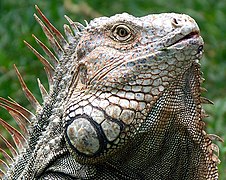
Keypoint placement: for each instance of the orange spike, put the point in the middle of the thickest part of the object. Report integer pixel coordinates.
(42, 89)
(4, 165)
(18, 107)
(18, 138)
(50, 78)
(27, 92)
(49, 53)
(6, 156)
(10, 147)
(24, 120)
(58, 35)
(19, 120)
(2, 174)
(47, 66)
(53, 42)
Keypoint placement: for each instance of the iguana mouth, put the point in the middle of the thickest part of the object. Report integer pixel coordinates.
(191, 35)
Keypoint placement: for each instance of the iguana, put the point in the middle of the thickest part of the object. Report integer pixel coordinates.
(124, 102)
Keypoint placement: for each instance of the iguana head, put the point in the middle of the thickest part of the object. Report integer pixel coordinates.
(123, 64)
(124, 98)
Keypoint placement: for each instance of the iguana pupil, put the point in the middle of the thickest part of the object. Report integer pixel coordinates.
(122, 31)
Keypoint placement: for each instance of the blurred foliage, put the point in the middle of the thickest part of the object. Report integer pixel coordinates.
(17, 23)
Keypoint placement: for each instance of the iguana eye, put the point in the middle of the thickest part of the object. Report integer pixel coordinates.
(121, 32)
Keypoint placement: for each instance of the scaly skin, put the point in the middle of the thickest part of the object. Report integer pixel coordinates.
(124, 104)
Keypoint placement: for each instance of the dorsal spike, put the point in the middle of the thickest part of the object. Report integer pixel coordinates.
(6, 156)
(68, 33)
(203, 114)
(43, 91)
(49, 53)
(26, 113)
(215, 148)
(215, 137)
(53, 42)
(20, 119)
(202, 80)
(206, 101)
(80, 26)
(2, 173)
(27, 92)
(50, 78)
(73, 26)
(9, 146)
(47, 66)
(86, 22)
(18, 138)
(57, 34)
(215, 159)
(202, 89)
(4, 165)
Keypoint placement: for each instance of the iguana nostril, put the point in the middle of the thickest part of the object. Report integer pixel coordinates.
(200, 48)
(175, 21)
(180, 21)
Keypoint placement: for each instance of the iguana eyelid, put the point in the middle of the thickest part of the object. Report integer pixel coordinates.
(122, 33)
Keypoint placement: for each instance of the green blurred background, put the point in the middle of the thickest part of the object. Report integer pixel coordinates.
(17, 24)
